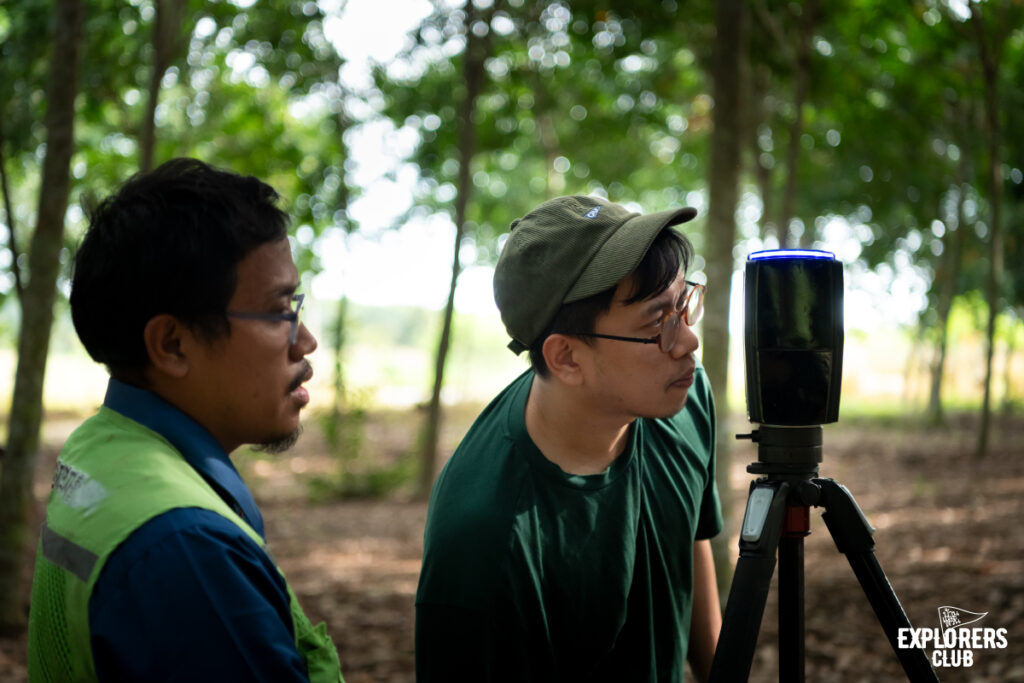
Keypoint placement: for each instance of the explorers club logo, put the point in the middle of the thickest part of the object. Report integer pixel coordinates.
(954, 642)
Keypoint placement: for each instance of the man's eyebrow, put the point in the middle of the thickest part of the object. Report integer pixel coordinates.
(665, 299)
(286, 289)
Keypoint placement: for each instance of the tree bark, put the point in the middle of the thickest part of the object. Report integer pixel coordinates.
(166, 38)
(727, 71)
(473, 69)
(37, 312)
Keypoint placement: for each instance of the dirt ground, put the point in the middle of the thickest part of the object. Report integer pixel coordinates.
(947, 533)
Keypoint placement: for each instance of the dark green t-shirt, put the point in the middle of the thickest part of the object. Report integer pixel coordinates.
(532, 574)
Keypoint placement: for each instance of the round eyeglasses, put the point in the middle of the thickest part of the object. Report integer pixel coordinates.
(292, 317)
(668, 327)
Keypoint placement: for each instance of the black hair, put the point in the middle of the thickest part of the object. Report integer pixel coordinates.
(670, 252)
(167, 241)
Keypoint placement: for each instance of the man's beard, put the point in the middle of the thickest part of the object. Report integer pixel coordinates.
(279, 445)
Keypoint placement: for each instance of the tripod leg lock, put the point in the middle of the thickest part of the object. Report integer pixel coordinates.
(846, 522)
(763, 519)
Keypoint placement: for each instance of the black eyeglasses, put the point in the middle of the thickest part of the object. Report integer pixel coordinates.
(668, 326)
(292, 317)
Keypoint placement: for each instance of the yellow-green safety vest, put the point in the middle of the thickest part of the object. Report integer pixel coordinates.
(113, 475)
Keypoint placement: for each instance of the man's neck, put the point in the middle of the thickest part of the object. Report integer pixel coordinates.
(570, 433)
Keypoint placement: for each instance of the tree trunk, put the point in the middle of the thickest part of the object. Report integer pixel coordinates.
(475, 55)
(990, 69)
(727, 72)
(166, 38)
(548, 139)
(802, 75)
(338, 336)
(37, 313)
(759, 85)
(341, 427)
(947, 275)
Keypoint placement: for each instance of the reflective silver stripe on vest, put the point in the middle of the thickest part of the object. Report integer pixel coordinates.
(67, 554)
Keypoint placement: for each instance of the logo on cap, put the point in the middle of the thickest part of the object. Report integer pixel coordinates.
(593, 212)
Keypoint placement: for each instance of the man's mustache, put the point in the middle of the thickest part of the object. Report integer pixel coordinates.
(304, 375)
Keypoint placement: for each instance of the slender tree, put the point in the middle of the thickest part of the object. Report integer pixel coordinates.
(476, 53)
(37, 311)
(800, 59)
(946, 278)
(727, 73)
(990, 49)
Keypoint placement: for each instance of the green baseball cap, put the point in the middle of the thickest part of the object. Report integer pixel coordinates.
(567, 249)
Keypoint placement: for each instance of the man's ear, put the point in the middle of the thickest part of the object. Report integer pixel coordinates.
(164, 337)
(560, 353)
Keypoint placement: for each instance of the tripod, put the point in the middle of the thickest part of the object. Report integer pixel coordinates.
(778, 518)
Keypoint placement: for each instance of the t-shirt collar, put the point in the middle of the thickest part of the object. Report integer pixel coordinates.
(517, 432)
(197, 445)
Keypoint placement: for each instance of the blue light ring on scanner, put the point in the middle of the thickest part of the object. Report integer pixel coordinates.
(791, 254)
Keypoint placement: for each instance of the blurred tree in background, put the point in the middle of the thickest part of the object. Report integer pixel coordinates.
(891, 128)
(36, 297)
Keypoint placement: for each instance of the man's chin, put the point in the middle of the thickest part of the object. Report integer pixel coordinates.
(667, 412)
(279, 445)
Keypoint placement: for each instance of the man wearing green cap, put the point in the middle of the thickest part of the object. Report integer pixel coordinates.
(567, 537)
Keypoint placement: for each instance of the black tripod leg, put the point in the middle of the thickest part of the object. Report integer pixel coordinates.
(791, 595)
(762, 526)
(852, 535)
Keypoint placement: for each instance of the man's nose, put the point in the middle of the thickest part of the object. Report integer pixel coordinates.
(305, 343)
(686, 341)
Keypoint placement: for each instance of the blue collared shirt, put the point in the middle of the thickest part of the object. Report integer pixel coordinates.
(189, 596)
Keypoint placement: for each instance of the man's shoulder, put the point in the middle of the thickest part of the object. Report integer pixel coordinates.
(473, 484)
(495, 417)
(182, 537)
(129, 461)
(188, 576)
(472, 507)
(483, 455)
(109, 430)
(116, 479)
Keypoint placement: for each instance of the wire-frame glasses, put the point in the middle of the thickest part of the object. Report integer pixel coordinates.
(668, 327)
(292, 317)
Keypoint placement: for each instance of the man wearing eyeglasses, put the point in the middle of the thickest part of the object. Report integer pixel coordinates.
(567, 537)
(152, 563)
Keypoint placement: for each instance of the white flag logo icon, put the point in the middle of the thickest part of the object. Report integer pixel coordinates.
(954, 617)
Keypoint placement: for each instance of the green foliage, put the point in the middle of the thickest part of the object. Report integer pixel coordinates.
(579, 97)
(893, 127)
(255, 90)
(577, 100)
(356, 472)
(378, 482)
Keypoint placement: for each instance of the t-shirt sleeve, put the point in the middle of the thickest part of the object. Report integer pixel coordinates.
(189, 596)
(710, 522)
